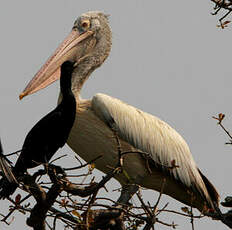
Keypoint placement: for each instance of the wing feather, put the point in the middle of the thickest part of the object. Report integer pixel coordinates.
(152, 135)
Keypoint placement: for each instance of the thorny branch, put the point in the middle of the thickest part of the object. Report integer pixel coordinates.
(226, 7)
(220, 118)
(226, 218)
(55, 201)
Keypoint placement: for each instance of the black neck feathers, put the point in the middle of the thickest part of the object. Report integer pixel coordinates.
(66, 77)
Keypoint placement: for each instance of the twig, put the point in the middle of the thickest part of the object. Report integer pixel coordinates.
(83, 165)
(173, 225)
(58, 158)
(160, 194)
(10, 154)
(225, 5)
(220, 119)
(192, 219)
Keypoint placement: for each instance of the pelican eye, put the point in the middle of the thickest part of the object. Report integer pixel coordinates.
(85, 24)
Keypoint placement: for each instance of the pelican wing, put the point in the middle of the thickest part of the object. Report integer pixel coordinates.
(150, 134)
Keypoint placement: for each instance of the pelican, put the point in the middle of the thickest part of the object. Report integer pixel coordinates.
(97, 120)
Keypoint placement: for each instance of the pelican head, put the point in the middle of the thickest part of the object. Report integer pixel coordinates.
(88, 44)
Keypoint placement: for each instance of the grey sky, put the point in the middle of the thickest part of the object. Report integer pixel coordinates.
(168, 59)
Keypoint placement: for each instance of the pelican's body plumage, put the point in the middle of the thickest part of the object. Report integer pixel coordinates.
(97, 120)
(138, 131)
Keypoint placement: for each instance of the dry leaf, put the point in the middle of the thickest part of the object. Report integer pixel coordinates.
(91, 167)
(63, 202)
(220, 117)
(17, 199)
(77, 214)
(173, 165)
(223, 24)
(186, 210)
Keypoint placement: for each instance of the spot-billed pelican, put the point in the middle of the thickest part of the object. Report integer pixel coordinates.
(89, 44)
(48, 135)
